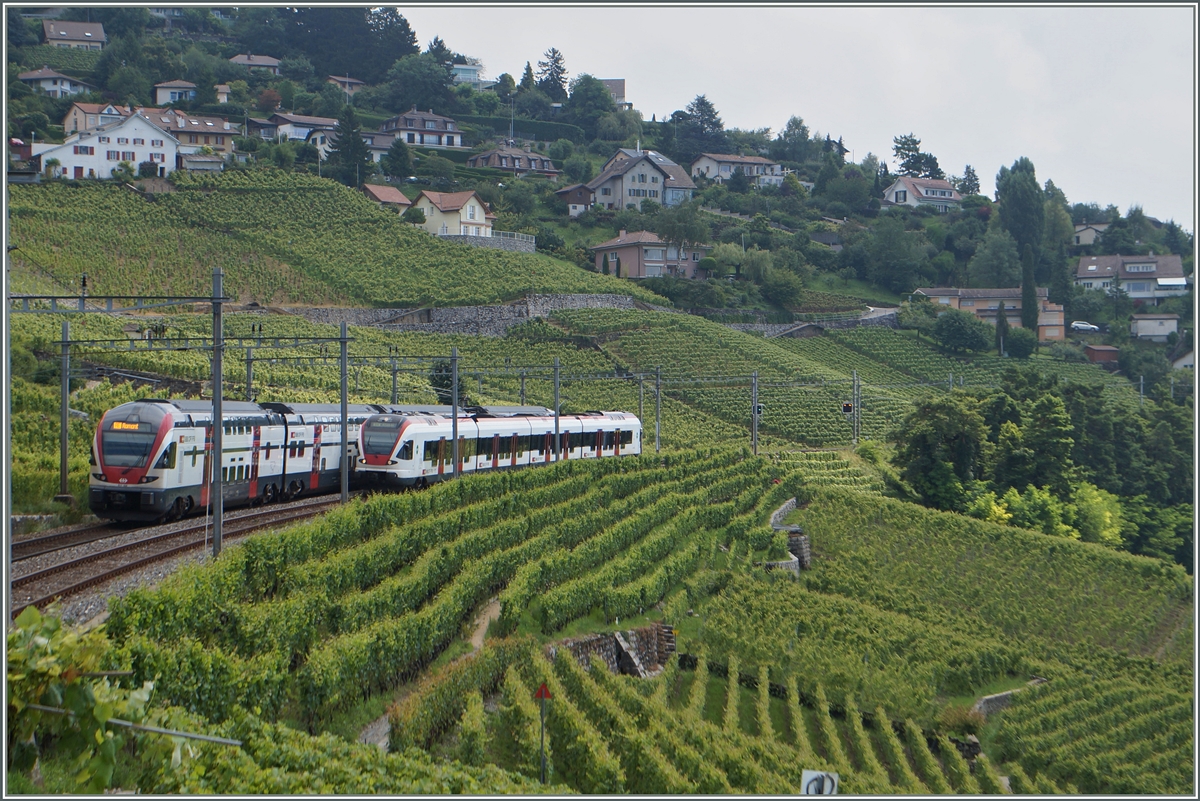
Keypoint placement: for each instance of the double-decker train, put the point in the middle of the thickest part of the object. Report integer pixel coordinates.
(152, 459)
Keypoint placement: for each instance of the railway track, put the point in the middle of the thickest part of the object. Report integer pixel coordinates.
(70, 577)
(36, 546)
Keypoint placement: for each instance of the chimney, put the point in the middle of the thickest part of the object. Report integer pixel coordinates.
(528, 147)
(622, 234)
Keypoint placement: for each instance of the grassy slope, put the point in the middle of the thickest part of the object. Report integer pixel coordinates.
(279, 238)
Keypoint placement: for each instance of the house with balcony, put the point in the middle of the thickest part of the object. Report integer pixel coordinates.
(986, 304)
(455, 213)
(324, 140)
(295, 127)
(616, 90)
(174, 92)
(54, 83)
(1148, 279)
(85, 116)
(518, 162)
(642, 254)
(470, 73)
(720, 168)
(424, 129)
(634, 175)
(194, 132)
(96, 152)
(76, 35)
(907, 190)
(253, 62)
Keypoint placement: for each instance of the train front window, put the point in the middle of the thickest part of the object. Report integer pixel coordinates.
(406, 451)
(379, 435)
(126, 448)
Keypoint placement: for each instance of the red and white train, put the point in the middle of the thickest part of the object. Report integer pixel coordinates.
(152, 459)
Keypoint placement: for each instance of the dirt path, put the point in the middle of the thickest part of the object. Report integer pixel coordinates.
(1179, 617)
(376, 732)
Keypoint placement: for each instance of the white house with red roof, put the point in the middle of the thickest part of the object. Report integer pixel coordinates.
(907, 190)
(96, 152)
(721, 167)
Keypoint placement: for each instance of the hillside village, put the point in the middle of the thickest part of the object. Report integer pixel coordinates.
(909, 354)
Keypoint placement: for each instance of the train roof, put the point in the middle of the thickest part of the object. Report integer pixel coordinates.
(322, 408)
(206, 407)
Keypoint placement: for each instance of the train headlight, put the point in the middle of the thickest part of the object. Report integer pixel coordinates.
(147, 479)
(99, 476)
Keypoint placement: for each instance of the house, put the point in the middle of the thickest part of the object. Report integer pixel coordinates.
(616, 89)
(388, 197)
(634, 175)
(470, 73)
(424, 128)
(909, 191)
(253, 62)
(519, 162)
(194, 132)
(346, 84)
(1099, 354)
(199, 162)
(643, 255)
(174, 92)
(94, 153)
(986, 303)
(455, 213)
(1087, 233)
(78, 35)
(85, 116)
(54, 83)
(324, 140)
(1154, 327)
(1185, 362)
(298, 127)
(223, 92)
(1148, 279)
(577, 197)
(720, 167)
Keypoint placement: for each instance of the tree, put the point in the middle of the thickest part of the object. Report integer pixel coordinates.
(528, 82)
(588, 102)
(939, 448)
(533, 104)
(413, 215)
(1001, 330)
(756, 265)
(552, 75)
(1022, 204)
(419, 81)
(995, 263)
(604, 265)
(1048, 433)
(913, 162)
(1029, 294)
(793, 142)
(505, 87)
(268, 100)
(1098, 515)
(1021, 343)
(442, 54)
(19, 34)
(1014, 461)
(397, 162)
(350, 157)
(961, 331)
(578, 168)
(968, 184)
(680, 226)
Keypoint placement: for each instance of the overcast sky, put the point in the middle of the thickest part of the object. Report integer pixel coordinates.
(1102, 100)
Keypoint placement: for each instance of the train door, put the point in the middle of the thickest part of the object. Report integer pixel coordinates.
(314, 476)
(255, 444)
(441, 456)
(515, 447)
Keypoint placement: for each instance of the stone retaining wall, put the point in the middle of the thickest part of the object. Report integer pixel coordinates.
(494, 242)
(334, 316)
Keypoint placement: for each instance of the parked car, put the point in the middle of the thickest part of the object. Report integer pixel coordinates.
(1082, 325)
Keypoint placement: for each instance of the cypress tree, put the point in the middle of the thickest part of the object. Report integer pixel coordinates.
(1029, 298)
(604, 265)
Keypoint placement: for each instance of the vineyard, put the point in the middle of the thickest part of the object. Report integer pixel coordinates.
(280, 239)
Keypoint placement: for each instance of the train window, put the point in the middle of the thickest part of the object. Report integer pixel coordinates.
(626, 437)
(609, 439)
(429, 451)
(466, 448)
(542, 439)
(505, 446)
(484, 446)
(406, 451)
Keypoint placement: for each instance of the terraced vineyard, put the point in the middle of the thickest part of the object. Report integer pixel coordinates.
(279, 237)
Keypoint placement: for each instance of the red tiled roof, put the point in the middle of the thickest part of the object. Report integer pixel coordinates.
(453, 201)
(386, 194)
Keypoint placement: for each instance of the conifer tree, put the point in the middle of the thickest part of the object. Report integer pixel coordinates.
(1029, 297)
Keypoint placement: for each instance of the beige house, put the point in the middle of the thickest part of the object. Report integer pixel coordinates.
(174, 92)
(577, 197)
(85, 116)
(1146, 278)
(424, 128)
(223, 92)
(388, 197)
(642, 254)
(1154, 327)
(455, 213)
(253, 62)
(1088, 233)
(634, 175)
(986, 304)
(346, 84)
(520, 162)
(909, 191)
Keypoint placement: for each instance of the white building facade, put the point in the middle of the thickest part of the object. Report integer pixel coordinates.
(97, 152)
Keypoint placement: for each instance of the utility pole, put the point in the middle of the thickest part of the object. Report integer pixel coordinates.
(657, 407)
(522, 387)
(454, 409)
(856, 398)
(951, 381)
(394, 395)
(64, 496)
(249, 375)
(754, 412)
(557, 415)
(1141, 390)
(218, 421)
(641, 398)
(345, 418)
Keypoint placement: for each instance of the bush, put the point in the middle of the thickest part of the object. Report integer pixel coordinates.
(961, 720)
(435, 167)
(1020, 343)
(1067, 353)
(959, 331)
(562, 149)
